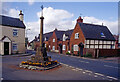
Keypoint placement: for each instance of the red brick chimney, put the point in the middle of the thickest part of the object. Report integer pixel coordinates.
(80, 20)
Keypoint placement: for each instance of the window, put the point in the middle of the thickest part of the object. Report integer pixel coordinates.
(91, 46)
(75, 47)
(53, 40)
(108, 46)
(15, 32)
(64, 37)
(102, 35)
(96, 46)
(100, 42)
(104, 46)
(45, 45)
(96, 41)
(113, 42)
(45, 38)
(64, 47)
(91, 41)
(76, 35)
(15, 47)
(87, 46)
(53, 48)
(104, 42)
(108, 42)
(100, 46)
(87, 41)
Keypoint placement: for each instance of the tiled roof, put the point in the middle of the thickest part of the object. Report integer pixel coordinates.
(13, 22)
(92, 31)
(59, 34)
(46, 35)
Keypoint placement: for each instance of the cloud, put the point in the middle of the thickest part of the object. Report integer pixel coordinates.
(112, 25)
(12, 13)
(54, 18)
(30, 2)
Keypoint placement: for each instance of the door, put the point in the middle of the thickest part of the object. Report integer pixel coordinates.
(60, 46)
(6, 48)
(81, 51)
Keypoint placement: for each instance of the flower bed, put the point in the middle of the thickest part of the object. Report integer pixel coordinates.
(45, 64)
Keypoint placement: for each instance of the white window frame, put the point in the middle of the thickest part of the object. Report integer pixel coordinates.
(53, 39)
(64, 47)
(91, 46)
(76, 35)
(14, 46)
(75, 47)
(91, 41)
(87, 46)
(15, 31)
(53, 47)
(96, 46)
(45, 39)
(96, 41)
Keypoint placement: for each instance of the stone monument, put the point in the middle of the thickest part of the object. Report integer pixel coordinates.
(40, 60)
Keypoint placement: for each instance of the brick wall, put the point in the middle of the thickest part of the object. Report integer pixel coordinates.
(74, 41)
(109, 52)
(53, 43)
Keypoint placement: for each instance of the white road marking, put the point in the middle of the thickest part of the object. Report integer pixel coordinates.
(99, 74)
(95, 76)
(112, 77)
(83, 61)
(74, 69)
(111, 66)
(88, 71)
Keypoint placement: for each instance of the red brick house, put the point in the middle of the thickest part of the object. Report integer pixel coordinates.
(55, 40)
(90, 36)
(83, 38)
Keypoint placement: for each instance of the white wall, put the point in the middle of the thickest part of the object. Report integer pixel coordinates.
(0, 32)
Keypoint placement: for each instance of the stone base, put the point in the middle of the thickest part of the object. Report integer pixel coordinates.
(30, 67)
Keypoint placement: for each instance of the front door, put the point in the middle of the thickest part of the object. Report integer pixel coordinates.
(6, 48)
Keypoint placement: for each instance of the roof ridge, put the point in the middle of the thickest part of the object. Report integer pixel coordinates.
(94, 24)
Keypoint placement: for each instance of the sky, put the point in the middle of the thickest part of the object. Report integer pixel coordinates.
(63, 15)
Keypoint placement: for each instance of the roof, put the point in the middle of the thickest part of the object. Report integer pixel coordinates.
(46, 35)
(13, 22)
(59, 34)
(92, 31)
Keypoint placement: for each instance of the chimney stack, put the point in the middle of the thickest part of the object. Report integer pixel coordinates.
(21, 16)
(80, 20)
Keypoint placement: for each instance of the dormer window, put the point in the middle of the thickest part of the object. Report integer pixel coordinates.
(76, 35)
(45, 38)
(102, 35)
(64, 37)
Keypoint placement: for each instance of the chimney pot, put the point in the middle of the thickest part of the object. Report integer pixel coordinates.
(21, 15)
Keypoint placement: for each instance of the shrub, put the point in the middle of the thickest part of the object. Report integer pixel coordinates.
(87, 55)
(67, 53)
